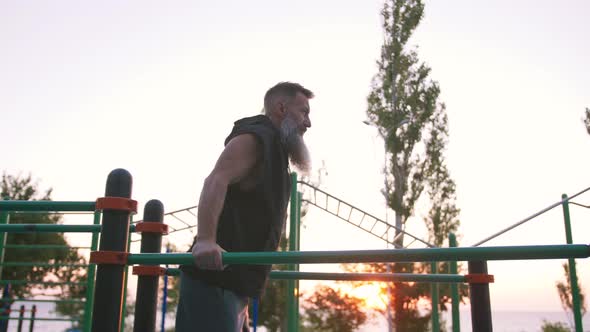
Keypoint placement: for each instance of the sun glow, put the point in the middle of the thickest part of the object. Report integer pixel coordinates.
(374, 295)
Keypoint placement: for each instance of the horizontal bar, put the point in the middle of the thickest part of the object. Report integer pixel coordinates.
(47, 300)
(49, 228)
(374, 256)
(401, 277)
(45, 319)
(10, 206)
(42, 264)
(50, 283)
(52, 228)
(41, 246)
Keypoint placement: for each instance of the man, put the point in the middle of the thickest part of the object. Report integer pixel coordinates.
(243, 208)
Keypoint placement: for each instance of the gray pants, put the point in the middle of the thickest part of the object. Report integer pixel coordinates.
(206, 308)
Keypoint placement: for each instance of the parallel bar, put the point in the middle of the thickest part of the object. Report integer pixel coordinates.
(45, 319)
(49, 283)
(49, 228)
(42, 246)
(11, 206)
(40, 264)
(374, 256)
(52, 228)
(47, 300)
(384, 277)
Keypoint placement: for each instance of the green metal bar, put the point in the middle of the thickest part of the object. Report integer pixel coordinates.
(4, 219)
(577, 308)
(42, 264)
(45, 319)
(52, 228)
(454, 289)
(375, 256)
(434, 299)
(42, 246)
(383, 277)
(91, 275)
(48, 301)
(125, 279)
(49, 228)
(49, 283)
(298, 248)
(292, 323)
(46, 206)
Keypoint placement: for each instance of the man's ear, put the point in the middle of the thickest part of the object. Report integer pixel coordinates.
(282, 107)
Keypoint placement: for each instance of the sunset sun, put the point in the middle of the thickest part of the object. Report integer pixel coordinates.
(373, 295)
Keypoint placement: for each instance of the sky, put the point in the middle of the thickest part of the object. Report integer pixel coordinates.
(154, 87)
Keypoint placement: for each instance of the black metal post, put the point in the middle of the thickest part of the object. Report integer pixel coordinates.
(479, 296)
(21, 315)
(33, 312)
(108, 293)
(147, 285)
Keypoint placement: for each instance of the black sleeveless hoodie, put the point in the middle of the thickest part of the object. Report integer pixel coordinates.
(252, 220)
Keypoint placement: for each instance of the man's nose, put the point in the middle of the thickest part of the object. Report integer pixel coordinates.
(307, 123)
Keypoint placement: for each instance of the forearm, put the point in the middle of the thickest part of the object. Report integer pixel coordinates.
(210, 206)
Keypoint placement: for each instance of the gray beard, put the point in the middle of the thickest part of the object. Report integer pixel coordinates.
(295, 146)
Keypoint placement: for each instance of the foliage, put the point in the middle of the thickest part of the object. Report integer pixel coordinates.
(23, 188)
(586, 120)
(564, 289)
(403, 104)
(331, 310)
(554, 327)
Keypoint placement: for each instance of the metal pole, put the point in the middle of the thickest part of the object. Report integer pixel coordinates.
(108, 293)
(33, 312)
(5, 304)
(479, 296)
(4, 220)
(572, 268)
(434, 299)
(21, 315)
(298, 248)
(292, 323)
(125, 280)
(146, 306)
(454, 289)
(91, 275)
(165, 297)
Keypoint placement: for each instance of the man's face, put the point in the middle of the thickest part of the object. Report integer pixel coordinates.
(293, 127)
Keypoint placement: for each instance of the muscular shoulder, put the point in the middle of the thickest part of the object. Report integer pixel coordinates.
(239, 159)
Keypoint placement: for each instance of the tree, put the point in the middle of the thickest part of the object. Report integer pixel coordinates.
(403, 105)
(331, 310)
(587, 120)
(554, 327)
(23, 188)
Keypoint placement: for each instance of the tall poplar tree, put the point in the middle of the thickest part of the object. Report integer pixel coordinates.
(403, 104)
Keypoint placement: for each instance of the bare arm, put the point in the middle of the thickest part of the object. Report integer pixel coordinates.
(236, 163)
